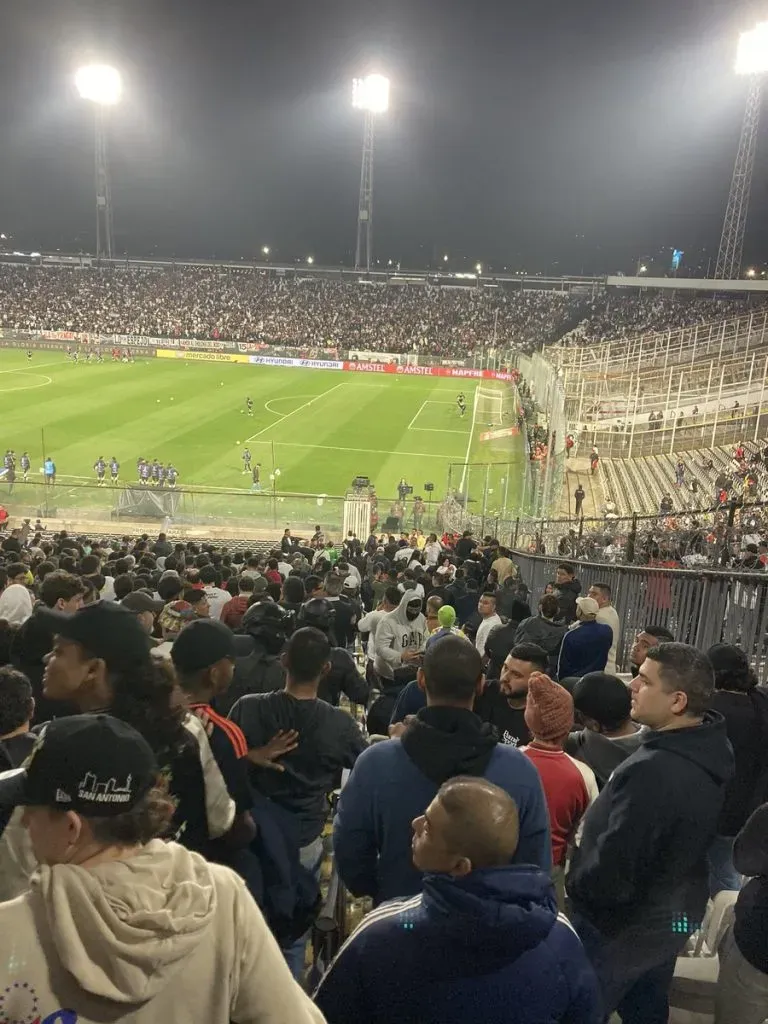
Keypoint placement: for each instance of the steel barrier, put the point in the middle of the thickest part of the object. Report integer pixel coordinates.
(699, 608)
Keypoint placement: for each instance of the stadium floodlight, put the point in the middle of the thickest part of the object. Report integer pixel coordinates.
(751, 60)
(751, 272)
(752, 51)
(479, 268)
(101, 85)
(445, 258)
(265, 250)
(371, 95)
(643, 269)
(310, 260)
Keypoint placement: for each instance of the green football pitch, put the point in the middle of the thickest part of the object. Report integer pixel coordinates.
(319, 428)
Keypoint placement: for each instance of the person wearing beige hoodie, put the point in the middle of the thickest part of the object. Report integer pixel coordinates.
(117, 924)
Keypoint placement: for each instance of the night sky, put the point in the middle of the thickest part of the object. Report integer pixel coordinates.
(555, 136)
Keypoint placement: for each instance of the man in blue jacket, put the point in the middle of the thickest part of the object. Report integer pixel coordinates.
(482, 942)
(639, 879)
(586, 645)
(393, 782)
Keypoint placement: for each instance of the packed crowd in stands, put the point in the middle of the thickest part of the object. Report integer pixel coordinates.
(538, 832)
(302, 311)
(260, 307)
(618, 315)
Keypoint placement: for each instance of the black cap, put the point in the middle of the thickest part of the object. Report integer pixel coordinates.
(204, 642)
(105, 630)
(141, 601)
(603, 697)
(95, 765)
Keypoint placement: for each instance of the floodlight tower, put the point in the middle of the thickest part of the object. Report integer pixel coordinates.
(102, 86)
(752, 60)
(371, 95)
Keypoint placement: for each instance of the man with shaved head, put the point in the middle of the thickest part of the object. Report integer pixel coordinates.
(483, 939)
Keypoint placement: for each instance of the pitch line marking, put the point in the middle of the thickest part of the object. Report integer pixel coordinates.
(433, 430)
(28, 387)
(471, 435)
(284, 398)
(365, 451)
(287, 415)
(418, 413)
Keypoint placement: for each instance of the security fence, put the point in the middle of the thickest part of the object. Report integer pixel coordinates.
(699, 608)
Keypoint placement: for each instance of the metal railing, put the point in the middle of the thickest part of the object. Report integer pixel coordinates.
(699, 608)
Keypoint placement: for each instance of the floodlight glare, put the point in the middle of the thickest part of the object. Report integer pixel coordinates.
(752, 53)
(100, 84)
(371, 94)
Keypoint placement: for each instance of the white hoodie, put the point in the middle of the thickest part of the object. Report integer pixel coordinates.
(160, 937)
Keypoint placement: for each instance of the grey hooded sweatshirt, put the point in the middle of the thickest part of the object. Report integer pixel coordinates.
(396, 633)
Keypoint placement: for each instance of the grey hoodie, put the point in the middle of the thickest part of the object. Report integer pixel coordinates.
(395, 633)
(160, 936)
(602, 753)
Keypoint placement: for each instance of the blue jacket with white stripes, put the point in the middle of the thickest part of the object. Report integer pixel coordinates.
(488, 947)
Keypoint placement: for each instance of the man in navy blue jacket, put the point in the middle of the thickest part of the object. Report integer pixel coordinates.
(394, 781)
(586, 645)
(483, 942)
(639, 880)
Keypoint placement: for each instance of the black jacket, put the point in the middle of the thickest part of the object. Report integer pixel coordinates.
(343, 677)
(642, 857)
(750, 857)
(566, 598)
(257, 672)
(31, 643)
(329, 740)
(746, 722)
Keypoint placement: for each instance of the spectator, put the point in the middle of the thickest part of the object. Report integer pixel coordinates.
(502, 703)
(393, 782)
(569, 785)
(210, 577)
(603, 704)
(579, 495)
(742, 989)
(501, 639)
(144, 608)
(641, 864)
(15, 602)
(744, 706)
(60, 591)
(17, 706)
(342, 675)
(233, 611)
(567, 589)
(345, 613)
(648, 637)
(400, 638)
(101, 660)
(204, 659)
(483, 931)
(586, 645)
(259, 670)
(104, 876)
(542, 629)
(486, 606)
(299, 744)
(607, 614)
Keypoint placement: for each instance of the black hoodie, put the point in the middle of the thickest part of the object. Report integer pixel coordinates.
(750, 857)
(566, 594)
(642, 857)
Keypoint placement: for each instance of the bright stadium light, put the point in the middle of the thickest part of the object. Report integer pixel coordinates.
(751, 60)
(371, 95)
(479, 268)
(445, 259)
(310, 260)
(752, 51)
(751, 272)
(265, 250)
(100, 84)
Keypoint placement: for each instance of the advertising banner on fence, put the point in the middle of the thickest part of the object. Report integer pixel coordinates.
(494, 435)
(429, 371)
(312, 364)
(215, 357)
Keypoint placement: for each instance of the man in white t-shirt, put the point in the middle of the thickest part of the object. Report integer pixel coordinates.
(601, 593)
(487, 608)
(217, 597)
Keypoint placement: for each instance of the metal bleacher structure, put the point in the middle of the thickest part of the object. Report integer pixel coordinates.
(705, 387)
